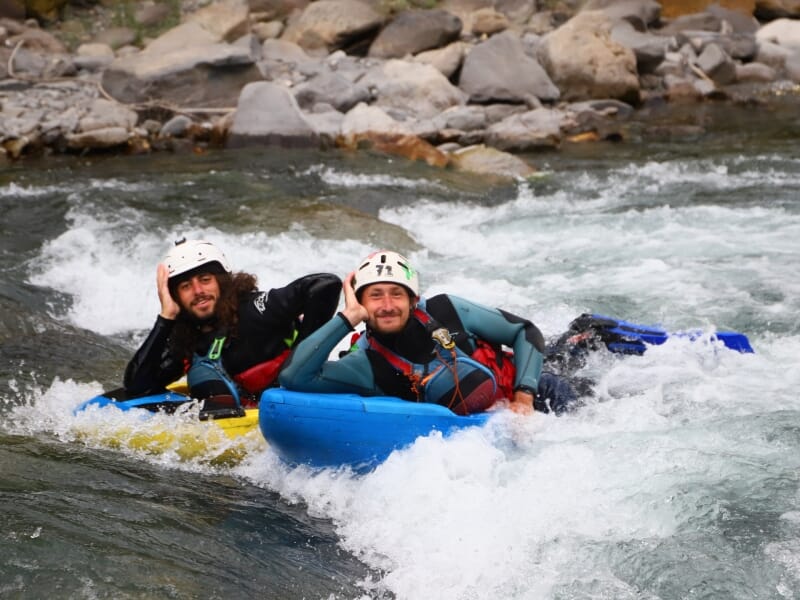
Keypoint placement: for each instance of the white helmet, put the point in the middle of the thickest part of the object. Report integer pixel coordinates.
(385, 266)
(188, 255)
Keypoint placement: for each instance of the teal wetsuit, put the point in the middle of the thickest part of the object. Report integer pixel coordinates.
(364, 371)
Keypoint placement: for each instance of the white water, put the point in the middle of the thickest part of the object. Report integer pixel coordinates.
(660, 483)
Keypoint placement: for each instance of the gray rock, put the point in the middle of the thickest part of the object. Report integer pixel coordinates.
(499, 70)
(98, 139)
(116, 37)
(741, 46)
(37, 40)
(284, 52)
(411, 88)
(465, 9)
(488, 21)
(268, 31)
(177, 126)
(199, 76)
(179, 38)
(738, 20)
(104, 114)
(715, 63)
(649, 49)
(225, 19)
(93, 57)
(604, 108)
(150, 127)
(446, 60)
(276, 9)
(327, 25)
(252, 44)
(497, 112)
(703, 21)
(415, 31)
(772, 55)
(792, 67)
(362, 119)
(16, 127)
(535, 129)
(641, 14)
(491, 162)
(267, 114)
(331, 88)
(784, 32)
(327, 124)
(462, 118)
(518, 12)
(755, 73)
(679, 88)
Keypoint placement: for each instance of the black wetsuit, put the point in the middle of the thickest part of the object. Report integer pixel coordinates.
(266, 321)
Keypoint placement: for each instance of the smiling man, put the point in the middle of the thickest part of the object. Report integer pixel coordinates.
(445, 350)
(215, 326)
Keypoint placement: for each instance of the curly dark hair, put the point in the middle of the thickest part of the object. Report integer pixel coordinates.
(233, 289)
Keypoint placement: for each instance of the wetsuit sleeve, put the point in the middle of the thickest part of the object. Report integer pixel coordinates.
(500, 327)
(309, 370)
(315, 297)
(152, 368)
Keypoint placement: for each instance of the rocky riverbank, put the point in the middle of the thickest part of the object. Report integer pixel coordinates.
(469, 84)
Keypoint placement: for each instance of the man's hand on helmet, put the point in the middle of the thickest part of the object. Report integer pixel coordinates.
(353, 311)
(169, 308)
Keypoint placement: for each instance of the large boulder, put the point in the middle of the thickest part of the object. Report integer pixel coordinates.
(267, 114)
(499, 70)
(584, 62)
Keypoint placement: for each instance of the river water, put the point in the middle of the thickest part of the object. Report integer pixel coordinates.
(679, 479)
